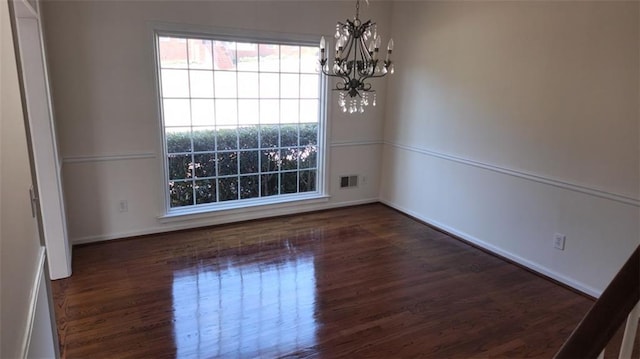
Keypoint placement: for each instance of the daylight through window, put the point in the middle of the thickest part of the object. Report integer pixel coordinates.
(241, 120)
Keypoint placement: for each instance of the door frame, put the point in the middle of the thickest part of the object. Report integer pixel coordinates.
(41, 135)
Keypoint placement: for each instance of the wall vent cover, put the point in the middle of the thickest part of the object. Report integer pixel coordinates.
(348, 181)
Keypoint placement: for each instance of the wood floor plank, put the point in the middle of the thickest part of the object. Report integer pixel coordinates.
(364, 281)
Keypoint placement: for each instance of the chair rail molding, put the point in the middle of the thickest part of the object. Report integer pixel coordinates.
(103, 158)
(356, 143)
(522, 174)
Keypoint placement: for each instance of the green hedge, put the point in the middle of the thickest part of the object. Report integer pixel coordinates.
(282, 150)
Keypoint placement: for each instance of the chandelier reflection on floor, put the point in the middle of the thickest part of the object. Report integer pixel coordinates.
(356, 61)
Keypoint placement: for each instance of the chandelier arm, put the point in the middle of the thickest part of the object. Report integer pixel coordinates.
(376, 76)
(366, 60)
(344, 78)
(349, 49)
(366, 87)
(340, 85)
(373, 75)
(340, 88)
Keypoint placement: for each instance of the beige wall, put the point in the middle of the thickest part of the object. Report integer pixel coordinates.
(510, 121)
(102, 76)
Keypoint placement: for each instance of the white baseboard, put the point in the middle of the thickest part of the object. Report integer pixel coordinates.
(175, 226)
(33, 303)
(577, 285)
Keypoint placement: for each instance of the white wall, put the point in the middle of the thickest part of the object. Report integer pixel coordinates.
(509, 121)
(21, 256)
(102, 77)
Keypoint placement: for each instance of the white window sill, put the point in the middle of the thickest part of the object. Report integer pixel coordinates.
(244, 207)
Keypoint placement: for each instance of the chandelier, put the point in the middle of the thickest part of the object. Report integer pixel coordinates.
(355, 62)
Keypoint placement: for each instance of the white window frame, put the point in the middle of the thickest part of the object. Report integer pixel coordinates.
(236, 35)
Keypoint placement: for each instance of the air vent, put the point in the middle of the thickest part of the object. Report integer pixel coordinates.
(348, 181)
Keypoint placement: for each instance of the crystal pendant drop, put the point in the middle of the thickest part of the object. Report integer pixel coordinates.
(341, 101)
(353, 106)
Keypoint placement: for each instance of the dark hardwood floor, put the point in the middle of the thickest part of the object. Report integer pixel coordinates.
(363, 281)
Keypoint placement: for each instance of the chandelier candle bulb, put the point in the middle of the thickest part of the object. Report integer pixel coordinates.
(322, 49)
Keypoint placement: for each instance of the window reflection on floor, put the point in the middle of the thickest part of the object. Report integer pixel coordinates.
(240, 310)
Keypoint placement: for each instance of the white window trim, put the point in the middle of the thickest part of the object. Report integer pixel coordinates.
(243, 35)
(194, 213)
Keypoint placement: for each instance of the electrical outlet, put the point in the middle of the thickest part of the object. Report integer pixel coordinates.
(123, 206)
(558, 241)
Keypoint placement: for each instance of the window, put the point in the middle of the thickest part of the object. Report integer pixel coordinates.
(241, 120)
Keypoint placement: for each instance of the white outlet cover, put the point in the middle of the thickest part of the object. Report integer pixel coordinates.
(558, 241)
